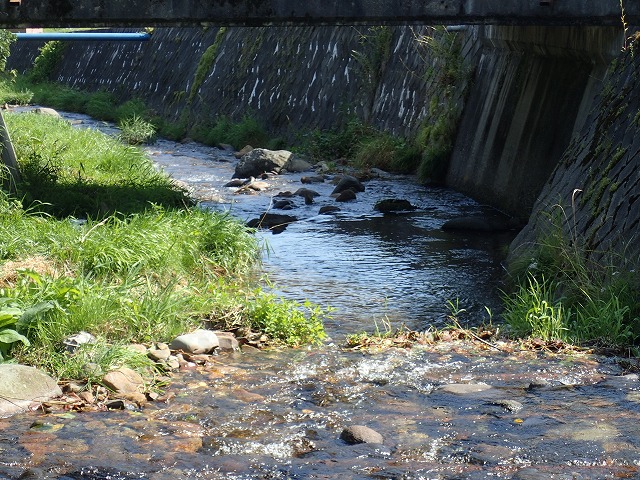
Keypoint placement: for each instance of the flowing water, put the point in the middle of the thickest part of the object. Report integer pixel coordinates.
(279, 415)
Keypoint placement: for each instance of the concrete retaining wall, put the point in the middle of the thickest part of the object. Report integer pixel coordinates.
(593, 196)
(532, 91)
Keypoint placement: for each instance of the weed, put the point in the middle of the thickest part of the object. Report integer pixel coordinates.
(287, 321)
(135, 131)
(247, 131)
(47, 61)
(564, 293)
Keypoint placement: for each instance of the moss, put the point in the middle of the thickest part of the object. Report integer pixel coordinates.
(206, 63)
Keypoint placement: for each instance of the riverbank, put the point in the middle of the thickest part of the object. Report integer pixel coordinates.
(97, 240)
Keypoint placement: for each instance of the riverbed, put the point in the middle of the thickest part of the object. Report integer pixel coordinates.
(454, 410)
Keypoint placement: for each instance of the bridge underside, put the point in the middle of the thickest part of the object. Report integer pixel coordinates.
(148, 13)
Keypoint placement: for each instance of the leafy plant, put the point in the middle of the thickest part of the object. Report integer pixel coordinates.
(564, 291)
(9, 317)
(47, 61)
(285, 320)
(6, 40)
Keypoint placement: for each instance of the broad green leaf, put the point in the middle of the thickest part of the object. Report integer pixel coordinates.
(11, 336)
(30, 314)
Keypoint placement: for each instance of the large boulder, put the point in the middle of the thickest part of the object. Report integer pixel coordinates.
(21, 386)
(347, 182)
(261, 160)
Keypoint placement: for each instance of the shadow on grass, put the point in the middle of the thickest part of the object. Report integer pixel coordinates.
(97, 201)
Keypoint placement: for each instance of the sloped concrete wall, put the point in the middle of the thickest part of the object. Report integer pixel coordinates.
(292, 78)
(593, 196)
(532, 90)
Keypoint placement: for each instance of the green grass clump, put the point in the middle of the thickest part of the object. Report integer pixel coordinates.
(363, 146)
(135, 131)
(147, 268)
(565, 292)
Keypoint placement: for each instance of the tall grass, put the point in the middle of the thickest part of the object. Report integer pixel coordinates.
(566, 291)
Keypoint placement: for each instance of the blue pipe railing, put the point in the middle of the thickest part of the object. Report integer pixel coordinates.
(86, 36)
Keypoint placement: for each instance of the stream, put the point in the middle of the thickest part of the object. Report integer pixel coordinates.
(454, 410)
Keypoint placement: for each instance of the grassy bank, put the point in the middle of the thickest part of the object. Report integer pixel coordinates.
(97, 240)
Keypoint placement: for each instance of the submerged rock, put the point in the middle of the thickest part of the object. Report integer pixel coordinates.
(465, 388)
(272, 221)
(21, 386)
(355, 434)
(328, 209)
(346, 196)
(390, 205)
(313, 179)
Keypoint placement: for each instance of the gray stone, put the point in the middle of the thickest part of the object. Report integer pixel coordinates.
(200, 341)
(283, 205)
(123, 381)
(360, 434)
(272, 221)
(297, 165)
(72, 342)
(227, 342)
(261, 160)
(21, 386)
(465, 388)
(158, 354)
(346, 196)
(243, 151)
(313, 179)
(327, 209)
(512, 406)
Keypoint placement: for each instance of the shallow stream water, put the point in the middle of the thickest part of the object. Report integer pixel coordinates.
(279, 415)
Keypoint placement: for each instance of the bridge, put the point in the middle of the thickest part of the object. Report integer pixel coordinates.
(149, 13)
